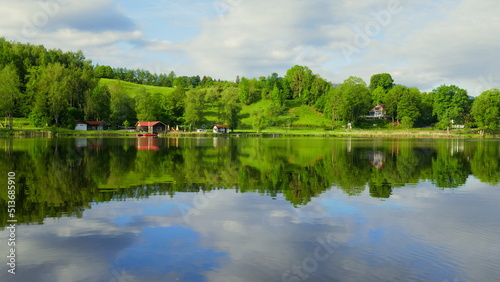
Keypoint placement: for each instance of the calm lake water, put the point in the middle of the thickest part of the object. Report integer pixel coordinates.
(252, 209)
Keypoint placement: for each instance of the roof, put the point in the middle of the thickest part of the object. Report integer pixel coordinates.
(222, 126)
(148, 123)
(91, 122)
(94, 122)
(381, 106)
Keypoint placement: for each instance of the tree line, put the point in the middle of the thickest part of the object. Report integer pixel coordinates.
(55, 88)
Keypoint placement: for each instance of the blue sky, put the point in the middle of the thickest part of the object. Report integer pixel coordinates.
(423, 43)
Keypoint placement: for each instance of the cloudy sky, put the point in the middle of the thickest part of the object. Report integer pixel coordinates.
(423, 43)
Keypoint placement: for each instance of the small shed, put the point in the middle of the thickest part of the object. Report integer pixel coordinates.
(90, 125)
(221, 128)
(153, 127)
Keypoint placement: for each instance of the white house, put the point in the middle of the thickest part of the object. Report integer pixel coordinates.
(221, 128)
(90, 125)
(80, 125)
(377, 112)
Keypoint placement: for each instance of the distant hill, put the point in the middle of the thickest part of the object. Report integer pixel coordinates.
(133, 89)
(304, 116)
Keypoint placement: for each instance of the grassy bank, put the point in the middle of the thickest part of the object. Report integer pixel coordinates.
(21, 128)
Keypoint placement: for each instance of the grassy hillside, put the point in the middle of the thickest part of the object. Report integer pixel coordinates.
(133, 89)
(304, 116)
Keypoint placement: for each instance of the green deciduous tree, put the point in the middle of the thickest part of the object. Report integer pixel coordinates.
(383, 80)
(122, 106)
(9, 92)
(319, 88)
(104, 72)
(259, 120)
(278, 97)
(52, 92)
(349, 102)
(194, 106)
(173, 106)
(98, 102)
(426, 108)
(486, 110)
(230, 107)
(392, 99)
(148, 106)
(250, 90)
(408, 111)
(451, 103)
(299, 79)
(378, 95)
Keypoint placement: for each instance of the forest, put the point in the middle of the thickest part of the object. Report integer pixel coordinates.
(53, 88)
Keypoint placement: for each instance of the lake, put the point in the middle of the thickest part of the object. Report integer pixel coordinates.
(251, 209)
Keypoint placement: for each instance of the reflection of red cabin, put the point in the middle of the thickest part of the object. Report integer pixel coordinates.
(147, 144)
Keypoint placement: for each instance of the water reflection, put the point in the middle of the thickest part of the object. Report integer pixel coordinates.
(61, 177)
(305, 209)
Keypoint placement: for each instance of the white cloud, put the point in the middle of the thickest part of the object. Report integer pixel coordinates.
(421, 43)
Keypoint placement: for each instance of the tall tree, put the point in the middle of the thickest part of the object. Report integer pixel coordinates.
(259, 120)
(278, 97)
(148, 106)
(194, 105)
(230, 107)
(9, 92)
(426, 108)
(408, 110)
(98, 102)
(122, 106)
(173, 105)
(319, 88)
(299, 80)
(53, 92)
(383, 80)
(451, 104)
(104, 72)
(378, 95)
(392, 100)
(350, 101)
(486, 110)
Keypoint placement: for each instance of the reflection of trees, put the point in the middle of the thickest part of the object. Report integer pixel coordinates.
(485, 164)
(350, 167)
(56, 178)
(450, 168)
(379, 187)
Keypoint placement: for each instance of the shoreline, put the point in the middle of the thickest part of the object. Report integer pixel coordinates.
(415, 133)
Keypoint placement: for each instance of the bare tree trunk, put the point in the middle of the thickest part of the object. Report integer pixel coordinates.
(11, 120)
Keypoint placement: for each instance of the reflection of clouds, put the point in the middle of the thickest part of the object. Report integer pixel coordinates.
(233, 226)
(163, 251)
(420, 233)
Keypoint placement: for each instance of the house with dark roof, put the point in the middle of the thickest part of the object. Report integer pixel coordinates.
(90, 125)
(221, 128)
(153, 127)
